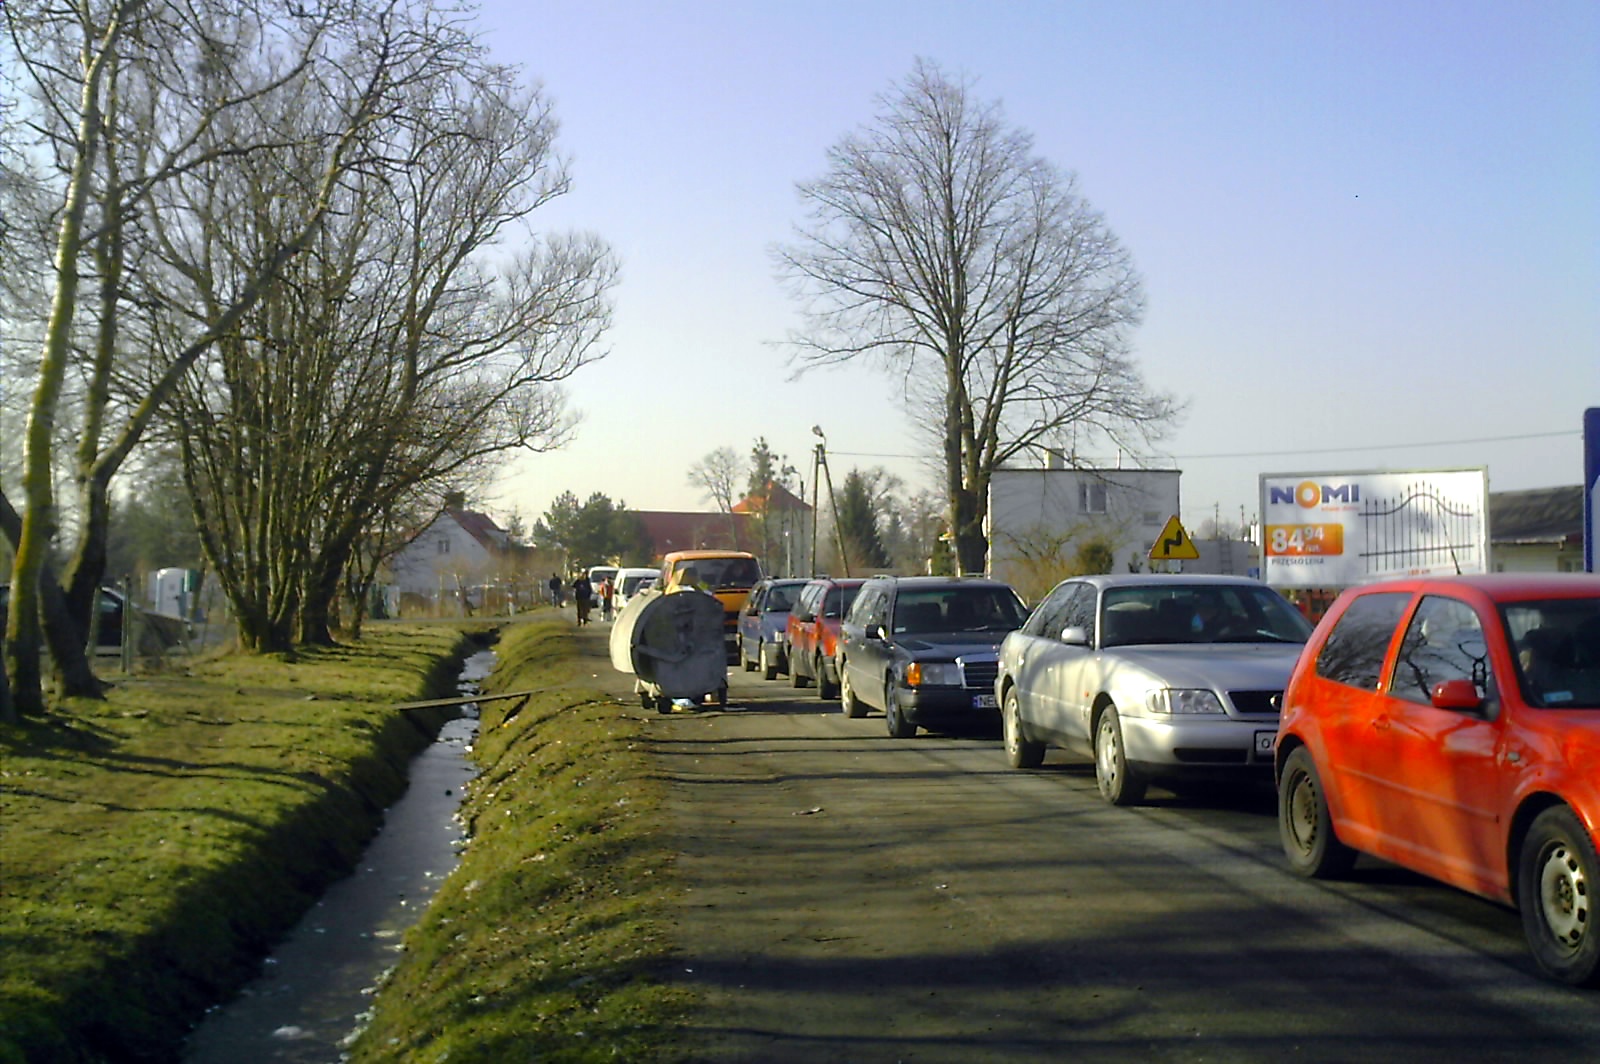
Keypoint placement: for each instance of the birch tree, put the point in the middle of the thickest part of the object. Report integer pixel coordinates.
(125, 100)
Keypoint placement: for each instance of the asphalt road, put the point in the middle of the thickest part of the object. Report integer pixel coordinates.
(851, 897)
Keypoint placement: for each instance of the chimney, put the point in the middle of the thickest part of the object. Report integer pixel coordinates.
(455, 500)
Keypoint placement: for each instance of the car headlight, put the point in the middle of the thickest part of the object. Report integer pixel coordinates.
(1172, 701)
(933, 674)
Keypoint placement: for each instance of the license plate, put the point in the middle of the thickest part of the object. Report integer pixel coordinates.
(1264, 743)
(984, 702)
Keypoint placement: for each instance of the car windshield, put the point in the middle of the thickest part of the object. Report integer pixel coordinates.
(630, 584)
(958, 609)
(720, 573)
(1197, 614)
(1557, 644)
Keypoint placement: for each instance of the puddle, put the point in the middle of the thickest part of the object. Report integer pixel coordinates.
(314, 992)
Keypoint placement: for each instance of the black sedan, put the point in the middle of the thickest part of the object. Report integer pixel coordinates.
(924, 649)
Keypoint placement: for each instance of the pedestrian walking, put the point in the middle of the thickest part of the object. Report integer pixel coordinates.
(555, 590)
(583, 597)
(607, 592)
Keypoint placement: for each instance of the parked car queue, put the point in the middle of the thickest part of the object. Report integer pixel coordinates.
(1450, 726)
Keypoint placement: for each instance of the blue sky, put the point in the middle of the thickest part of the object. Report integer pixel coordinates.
(1369, 232)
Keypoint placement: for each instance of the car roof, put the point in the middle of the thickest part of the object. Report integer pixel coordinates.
(838, 581)
(1498, 587)
(1166, 580)
(943, 581)
(703, 552)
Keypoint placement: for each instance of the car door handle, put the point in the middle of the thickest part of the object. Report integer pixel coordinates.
(1380, 724)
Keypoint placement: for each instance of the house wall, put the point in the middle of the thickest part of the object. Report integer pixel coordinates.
(1535, 558)
(1037, 512)
(441, 553)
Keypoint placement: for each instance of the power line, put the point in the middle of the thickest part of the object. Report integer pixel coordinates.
(1309, 450)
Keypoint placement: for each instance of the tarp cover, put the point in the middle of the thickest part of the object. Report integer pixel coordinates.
(674, 642)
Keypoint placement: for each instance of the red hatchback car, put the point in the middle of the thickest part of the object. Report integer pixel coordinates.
(814, 632)
(1452, 726)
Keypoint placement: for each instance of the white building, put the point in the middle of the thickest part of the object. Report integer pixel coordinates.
(458, 549)
(1040, 519)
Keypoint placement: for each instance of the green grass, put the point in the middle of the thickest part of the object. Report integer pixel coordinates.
(154, 844)
(545, 943)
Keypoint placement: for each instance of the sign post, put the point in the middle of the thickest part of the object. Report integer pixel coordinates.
(1591, 486)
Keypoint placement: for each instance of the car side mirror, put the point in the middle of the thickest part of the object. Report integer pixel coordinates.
(1457, 695)
(1075, 635)
(874, 631)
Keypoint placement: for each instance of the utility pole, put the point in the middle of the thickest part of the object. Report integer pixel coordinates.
(821, 464)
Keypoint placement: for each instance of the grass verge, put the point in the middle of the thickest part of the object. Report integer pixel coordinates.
(546, 942)
(154, 844)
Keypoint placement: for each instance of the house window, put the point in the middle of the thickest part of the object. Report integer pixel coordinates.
(444, 546)
(1091, 497)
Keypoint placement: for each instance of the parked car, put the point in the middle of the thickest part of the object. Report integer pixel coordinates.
(1159, 676)
(764, 626)
(923, 649)
(1452, 726)
(813, 632)
(629, 581)
(727, 574)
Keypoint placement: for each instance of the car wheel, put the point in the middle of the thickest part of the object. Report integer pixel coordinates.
(899, 727)
(1020, 753)
(826, 688)
(795, 679)
(769, 668)
(1557, 880)
(745, 659)
(1118, 783)
(848, 702)
(1304, 825)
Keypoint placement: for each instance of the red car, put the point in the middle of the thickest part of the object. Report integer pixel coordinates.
(813, 633)
(1452, 726)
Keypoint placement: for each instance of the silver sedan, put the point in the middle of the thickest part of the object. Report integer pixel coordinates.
(1160, 677)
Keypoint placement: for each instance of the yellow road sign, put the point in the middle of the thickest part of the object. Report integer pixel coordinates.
(1173, 543)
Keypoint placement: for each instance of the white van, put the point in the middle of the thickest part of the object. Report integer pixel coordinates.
(627, 583)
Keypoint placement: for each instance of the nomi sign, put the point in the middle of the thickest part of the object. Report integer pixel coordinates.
(1342, 529)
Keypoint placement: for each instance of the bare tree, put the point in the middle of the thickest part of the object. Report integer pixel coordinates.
(939, 246)
(127, 99)
(718, 475)
(397, 353)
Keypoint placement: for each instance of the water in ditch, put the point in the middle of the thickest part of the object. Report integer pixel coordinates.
(313, 994)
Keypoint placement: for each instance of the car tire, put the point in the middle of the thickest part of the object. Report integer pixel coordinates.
(1119, 784)
(826, 688)
(849, 704)
(769, 668)
(795, 679)
(1558, 888)
(745, 660)
(899, 727)
(1305, 826)
(1020, 753)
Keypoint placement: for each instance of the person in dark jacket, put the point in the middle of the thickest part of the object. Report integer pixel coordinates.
(583, 597)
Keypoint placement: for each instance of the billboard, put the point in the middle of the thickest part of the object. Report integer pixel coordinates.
(1343, 529)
